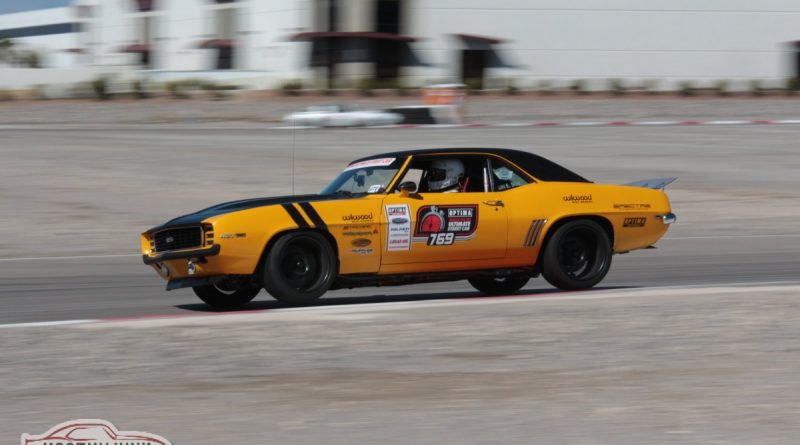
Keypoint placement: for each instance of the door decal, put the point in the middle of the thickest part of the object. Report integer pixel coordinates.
(444, 225)
(398, 220)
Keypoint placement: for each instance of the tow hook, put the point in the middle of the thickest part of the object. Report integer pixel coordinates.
(191, 268)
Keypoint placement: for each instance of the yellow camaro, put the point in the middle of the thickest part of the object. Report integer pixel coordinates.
(494, 217)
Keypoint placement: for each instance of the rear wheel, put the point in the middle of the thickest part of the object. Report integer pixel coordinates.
(499, 285)
(577, 256)
(299, 268)
(226, 294)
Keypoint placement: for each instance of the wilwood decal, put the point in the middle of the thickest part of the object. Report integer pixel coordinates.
(444, 225)
(578, 199)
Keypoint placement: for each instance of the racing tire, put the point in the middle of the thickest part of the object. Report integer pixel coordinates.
(221, 296)
(299, 268)
(577, 256)
(499, 285)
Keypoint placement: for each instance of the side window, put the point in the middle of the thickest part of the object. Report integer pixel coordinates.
(448, 174)
(505, 176)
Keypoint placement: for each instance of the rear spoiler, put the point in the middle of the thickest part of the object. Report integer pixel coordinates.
(655, 184)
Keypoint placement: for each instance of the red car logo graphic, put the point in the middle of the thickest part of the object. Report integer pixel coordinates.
(91, 431)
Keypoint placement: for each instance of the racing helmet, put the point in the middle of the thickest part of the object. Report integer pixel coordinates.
(445, 174)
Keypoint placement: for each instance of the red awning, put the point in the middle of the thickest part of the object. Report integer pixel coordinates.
(217, 43)
(75, 50)
(310, 36)
(135, 48)
(479, 39)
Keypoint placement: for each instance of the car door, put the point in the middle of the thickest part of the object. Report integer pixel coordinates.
(426, 231)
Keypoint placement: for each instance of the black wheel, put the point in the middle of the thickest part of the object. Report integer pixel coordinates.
(226, 294)
(299, 268)
(499, 285)
(577, 256)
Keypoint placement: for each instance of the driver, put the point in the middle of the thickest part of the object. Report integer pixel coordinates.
(445, 175)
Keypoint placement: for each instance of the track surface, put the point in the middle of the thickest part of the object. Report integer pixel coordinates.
(76, 192)
(626, 365)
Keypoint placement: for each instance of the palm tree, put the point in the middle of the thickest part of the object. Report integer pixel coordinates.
(7, 50)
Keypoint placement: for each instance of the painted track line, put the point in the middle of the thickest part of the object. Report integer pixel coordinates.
(74, 257)
(555, 296)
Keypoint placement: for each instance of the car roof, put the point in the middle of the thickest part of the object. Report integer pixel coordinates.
(535, 165)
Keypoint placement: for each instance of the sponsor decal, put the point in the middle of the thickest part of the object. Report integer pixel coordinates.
(359, 233)
(634, 222)
(375, 188)
(362, 251)
(382, 162)
(399, 227)
(90, 432)
(233, 235)
(444, 225)
(364, 217)
(631, 206)
(169, 240)
(360, 242)
(578, 199)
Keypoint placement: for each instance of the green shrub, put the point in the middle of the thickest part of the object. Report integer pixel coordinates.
(545, 87)
(650, 86)
(686, 88)
(756, 88)
(616, 87)
(292, 88)
(722, 88)
(100, 88)
(578, 86)
(792, 85)
(366, 87)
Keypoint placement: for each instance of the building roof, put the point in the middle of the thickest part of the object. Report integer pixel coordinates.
(535, 165)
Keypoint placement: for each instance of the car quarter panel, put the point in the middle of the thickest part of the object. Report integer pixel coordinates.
(535, 209)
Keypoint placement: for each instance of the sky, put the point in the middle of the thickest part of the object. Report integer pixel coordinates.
(9, 6)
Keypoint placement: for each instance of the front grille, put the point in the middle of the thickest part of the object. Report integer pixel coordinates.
(177, 239)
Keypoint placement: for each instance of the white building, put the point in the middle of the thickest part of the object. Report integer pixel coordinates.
(263, 43)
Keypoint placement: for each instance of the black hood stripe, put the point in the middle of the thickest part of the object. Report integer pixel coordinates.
(296, 216)
(244, 204)
(313, 215)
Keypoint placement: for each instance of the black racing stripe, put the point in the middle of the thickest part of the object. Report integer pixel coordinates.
(312, 213)
(296, 216)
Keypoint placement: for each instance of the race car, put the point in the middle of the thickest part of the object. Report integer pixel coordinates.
(494, 217)
(339, 115)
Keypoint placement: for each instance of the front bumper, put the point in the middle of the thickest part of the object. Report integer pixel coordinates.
(181, 254)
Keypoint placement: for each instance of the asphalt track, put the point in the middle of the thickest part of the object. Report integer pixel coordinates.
(705, 360)
(36, 290)
(736, 223)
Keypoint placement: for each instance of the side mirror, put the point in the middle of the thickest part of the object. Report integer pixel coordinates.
(406, 188)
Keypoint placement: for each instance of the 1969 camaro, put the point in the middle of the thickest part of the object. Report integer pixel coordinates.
(495, 217)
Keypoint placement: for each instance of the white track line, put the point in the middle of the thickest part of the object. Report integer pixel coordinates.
(75, 257)
(680, 238)
(45, 323)
(169, 319)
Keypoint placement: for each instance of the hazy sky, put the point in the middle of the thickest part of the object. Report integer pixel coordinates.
(7, 6)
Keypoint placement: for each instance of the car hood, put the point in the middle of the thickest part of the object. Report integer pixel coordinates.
(244, 204)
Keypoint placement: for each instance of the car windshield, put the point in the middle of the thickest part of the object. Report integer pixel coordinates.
(365, 177)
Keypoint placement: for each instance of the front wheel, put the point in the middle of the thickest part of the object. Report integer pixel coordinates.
(299, 268)
(577, 256)
(499, 285)
(225, 294)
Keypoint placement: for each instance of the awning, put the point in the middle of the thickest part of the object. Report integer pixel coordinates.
(311, 36)
(135, 48)
(217, 44)
(75, 50)
(360, 47)
(487, 44)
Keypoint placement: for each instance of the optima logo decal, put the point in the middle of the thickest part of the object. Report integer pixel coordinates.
(91, 432)
(444, 225)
